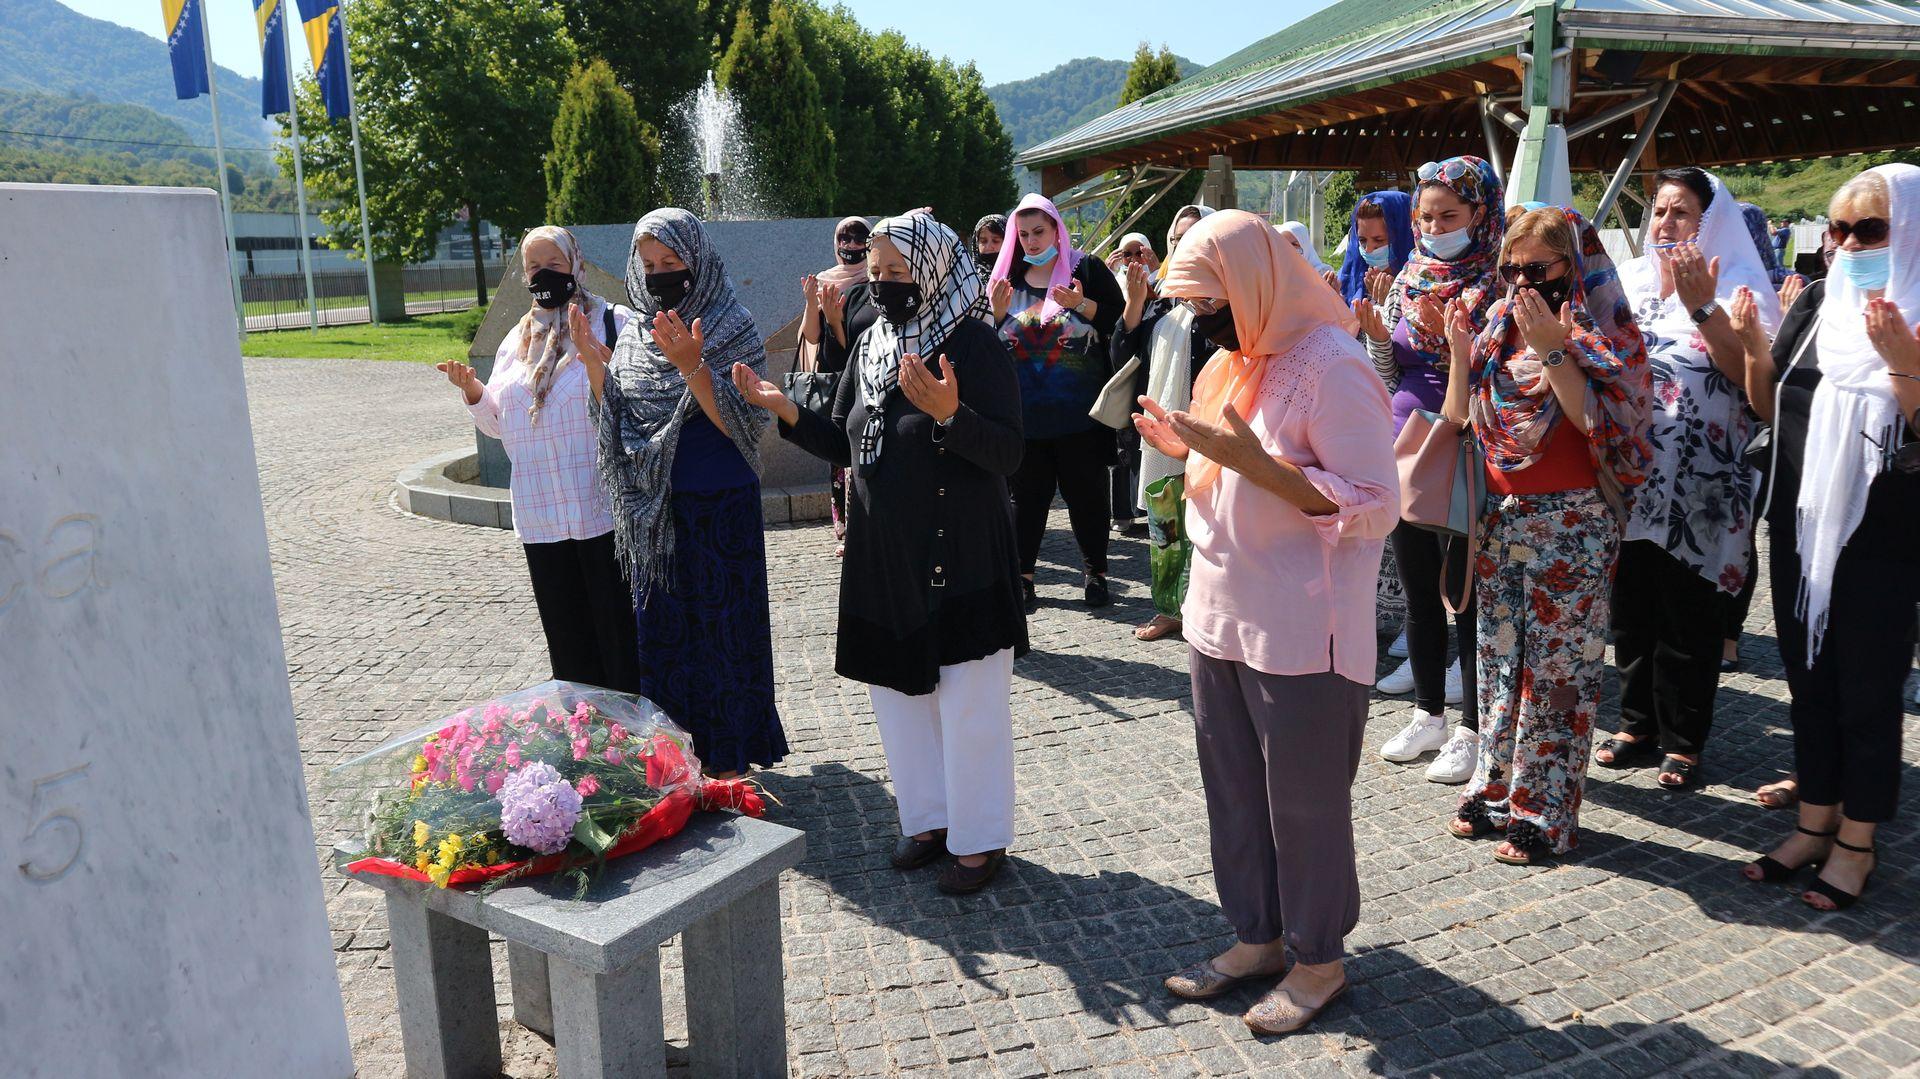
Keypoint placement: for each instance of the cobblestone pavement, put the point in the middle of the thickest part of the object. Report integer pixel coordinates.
(1642, 954)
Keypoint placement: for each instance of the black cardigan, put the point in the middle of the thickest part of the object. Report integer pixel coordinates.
(931, 575)
(857, 315)
(1892, 518)
(1135, 342)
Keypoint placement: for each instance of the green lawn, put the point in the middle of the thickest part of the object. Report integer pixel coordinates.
(420, 339)
(328, 303)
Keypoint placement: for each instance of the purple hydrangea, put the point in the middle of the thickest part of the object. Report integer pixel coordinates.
(538, 808)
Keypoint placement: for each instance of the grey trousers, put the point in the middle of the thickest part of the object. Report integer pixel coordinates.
(1278, 754)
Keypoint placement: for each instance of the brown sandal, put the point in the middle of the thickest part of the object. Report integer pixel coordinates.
(1203, 981)
(1279, 1013)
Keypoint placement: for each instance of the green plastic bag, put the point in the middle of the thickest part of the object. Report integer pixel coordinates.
(1172, 552)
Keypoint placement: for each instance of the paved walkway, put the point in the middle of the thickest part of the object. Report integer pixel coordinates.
(1644, 954)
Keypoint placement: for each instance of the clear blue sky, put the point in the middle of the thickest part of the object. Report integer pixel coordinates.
(981, 30)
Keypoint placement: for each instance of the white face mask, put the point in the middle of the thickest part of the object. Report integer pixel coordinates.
(1448, 246)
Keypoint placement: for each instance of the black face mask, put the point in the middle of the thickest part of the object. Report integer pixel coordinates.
(851, 254)
(551, 288)
(1218, 328)
(986, 259)
(898, 301)
(1555, 292)
(670, 288)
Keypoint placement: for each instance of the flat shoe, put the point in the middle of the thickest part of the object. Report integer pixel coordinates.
(1688, 771)
(911, 853)
(1279, 1013)
(1626, 754)
(1202, 981)
(1161, 626)
(957, 879)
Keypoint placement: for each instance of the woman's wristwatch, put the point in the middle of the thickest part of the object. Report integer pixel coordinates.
(1555, 358)
(1706, 311)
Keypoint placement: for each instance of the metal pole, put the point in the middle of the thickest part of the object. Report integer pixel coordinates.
(1494, 156)
(299, 177)
(220, 164)
(359, 174)
(1641, 140)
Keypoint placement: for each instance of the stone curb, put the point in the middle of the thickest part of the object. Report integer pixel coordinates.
(442, 487)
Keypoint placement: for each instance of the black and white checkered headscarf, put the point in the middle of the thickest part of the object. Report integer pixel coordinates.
(951, 291)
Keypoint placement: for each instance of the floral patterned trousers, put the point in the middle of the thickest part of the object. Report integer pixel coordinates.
(1544, 572)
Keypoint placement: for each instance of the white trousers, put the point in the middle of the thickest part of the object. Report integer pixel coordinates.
(950, 753)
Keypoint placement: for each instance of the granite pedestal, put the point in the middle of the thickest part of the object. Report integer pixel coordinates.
(587, 973)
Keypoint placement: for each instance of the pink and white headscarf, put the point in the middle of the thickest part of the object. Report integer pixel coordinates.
(1061, 272)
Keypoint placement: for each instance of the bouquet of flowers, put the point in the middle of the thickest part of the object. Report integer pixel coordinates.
(555, 778)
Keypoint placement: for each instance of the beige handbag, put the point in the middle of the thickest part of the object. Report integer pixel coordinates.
(1443, 489)
(1115, 406)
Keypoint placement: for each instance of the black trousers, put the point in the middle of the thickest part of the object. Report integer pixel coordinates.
(1126, 476)
(1736, 606)
(1847, 710)
(1076, 466)
(586, 611)
(1669, 624)
(1418, 554)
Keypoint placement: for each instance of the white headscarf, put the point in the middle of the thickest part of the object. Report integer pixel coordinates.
(1855, 426)
(546, 337)
(1307, 247)
(1723, 235)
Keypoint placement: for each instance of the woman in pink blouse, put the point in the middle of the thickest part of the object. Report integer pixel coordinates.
(535, 403)
(1291, 491)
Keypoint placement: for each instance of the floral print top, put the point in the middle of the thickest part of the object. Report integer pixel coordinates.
(1697, 501)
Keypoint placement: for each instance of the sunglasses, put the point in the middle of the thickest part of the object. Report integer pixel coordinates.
(1428, 171)
(1536, 272)
(1201, 305)
(1868, 230)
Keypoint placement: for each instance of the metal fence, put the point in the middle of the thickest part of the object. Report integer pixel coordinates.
(277, 299)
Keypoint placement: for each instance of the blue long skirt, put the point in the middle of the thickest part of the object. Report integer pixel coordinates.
(706, 643)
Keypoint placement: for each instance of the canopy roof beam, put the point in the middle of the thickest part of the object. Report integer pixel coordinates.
(1649, 130)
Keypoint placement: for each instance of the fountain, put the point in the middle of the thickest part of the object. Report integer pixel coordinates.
(718, 166)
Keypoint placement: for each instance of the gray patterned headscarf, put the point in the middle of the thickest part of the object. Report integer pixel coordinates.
(950, 291)
(645, 402)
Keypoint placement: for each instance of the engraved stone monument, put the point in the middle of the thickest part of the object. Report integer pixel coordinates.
(160, 903)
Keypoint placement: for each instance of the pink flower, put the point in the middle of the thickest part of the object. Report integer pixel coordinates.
(616, 734)
(614, 756)
(495, 780)
(464, 778)
(580, 747)
(512, 756)
(588, 786)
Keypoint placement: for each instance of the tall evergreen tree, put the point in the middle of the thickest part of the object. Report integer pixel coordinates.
(1149, 74)
(604, 159)
(986, 155)
(659, 50)
(765, 71)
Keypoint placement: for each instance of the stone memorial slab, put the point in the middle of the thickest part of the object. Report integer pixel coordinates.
(159, 886)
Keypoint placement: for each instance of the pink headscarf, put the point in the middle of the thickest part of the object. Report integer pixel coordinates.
(1063, 262)
(1276, 298)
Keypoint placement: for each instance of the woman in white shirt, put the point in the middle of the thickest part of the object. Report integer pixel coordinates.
(536, 405)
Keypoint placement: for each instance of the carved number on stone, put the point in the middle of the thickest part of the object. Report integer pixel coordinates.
(63, 836)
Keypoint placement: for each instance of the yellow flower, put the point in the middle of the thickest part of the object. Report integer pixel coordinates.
(421, 833)
(493, 857)
(439, 874)
(423, 861)
(419, 764)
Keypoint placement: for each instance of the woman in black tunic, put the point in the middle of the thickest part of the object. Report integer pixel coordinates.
(927, 420)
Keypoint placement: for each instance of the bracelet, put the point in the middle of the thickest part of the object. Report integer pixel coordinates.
(1897, 374)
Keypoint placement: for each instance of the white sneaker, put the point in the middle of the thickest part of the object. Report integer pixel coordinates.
(1398, 649)
(1456, 759)
(1455, 693)
(1400, 681)
(1425, 734)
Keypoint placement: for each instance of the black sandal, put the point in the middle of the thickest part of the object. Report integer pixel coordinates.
(1774, 871)
(1840, 898)
(1627, 754)
(1681, 767)
(1529, 841)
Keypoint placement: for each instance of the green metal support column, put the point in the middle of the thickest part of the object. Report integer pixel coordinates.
(1540, 172)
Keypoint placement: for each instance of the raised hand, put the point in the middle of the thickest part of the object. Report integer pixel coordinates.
(1152, 424)
(833, 301)
(462, 377)
(1694, 278)
(810, 290)
(1379, 286)
(1231, 444)
(936, 395)
(1000, 294)
(760, 393)
(1068, 295)
(1427, 314)
(1745, 315)
(1542, 330)
(1371, 323)
(1790, 290)
(1459, 332)
(1332, 278)
(1892, 338)
(592, 352)
(682, 344)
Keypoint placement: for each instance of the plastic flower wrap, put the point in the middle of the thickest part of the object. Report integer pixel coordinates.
(547, 779)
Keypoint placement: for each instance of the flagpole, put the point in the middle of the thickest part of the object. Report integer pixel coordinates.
(220, 163)
(299, 179)
(359, 172)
